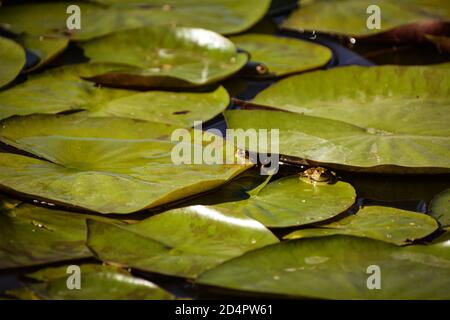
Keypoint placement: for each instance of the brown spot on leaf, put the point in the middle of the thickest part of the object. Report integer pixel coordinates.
(181, 112)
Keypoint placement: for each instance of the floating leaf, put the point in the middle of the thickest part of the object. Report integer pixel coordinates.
(12, 60)
(391, 99)
(108, 165)
(45, 48)
(390, 118)
(50, 19)
(61, 89)
(31, 235)
(346, 146)
(283, 55)
(380, 223)
(164, 57)
(97, 283)
(337, 267)
(291, 202)
(440, 208)
(177, 108)
(180, 242)
(353, 18)
(55, 91)
(223, 16)
(22, 293)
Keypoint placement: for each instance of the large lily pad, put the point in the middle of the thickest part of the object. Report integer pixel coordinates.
(62, 89)
(392, 99)
(375, 119)
(337, 268)
(282, 55)
(381, 223)
(97, 283)
(177, 108)
(223, 16)
(164, 57)
(180, 242)
(108, 165)
(55, 91)
(345, 146)
(291, 202)
(33, 235)
(349, 17)
(12, 60)
(440, 208)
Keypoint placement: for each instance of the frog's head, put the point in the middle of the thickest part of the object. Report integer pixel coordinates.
(318, 175)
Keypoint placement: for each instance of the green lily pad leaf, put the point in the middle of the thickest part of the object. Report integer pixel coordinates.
(291, 202)
(97, 283)
(381, 223)
(361, 118)
(164, 57)
(31, 235)
(176, 108)
(440, 208)
(223, 16)
(23, 293)
(344, 146)
(12, 60)
(45, 48)
(283, 55)
(350, 17)
(337, 267)
(108, 165)
(55, 91)
(180, 242)
(61, 89)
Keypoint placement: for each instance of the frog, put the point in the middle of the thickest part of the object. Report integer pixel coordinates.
(318, 175)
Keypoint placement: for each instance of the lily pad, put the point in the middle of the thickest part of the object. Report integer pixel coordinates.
(223, 16)
(61, 89)
(291, 202)
(12, 60)
(177, 108)
(283, 55)
(337, 267)
(107, 165)
(164, 57)
(350, 17)
(344, 146)
(45, 48)
(31, 235)
(57, 90)
(361, 118)
(180, 242)
(440, 208)
(380, 223)
(97, 283)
